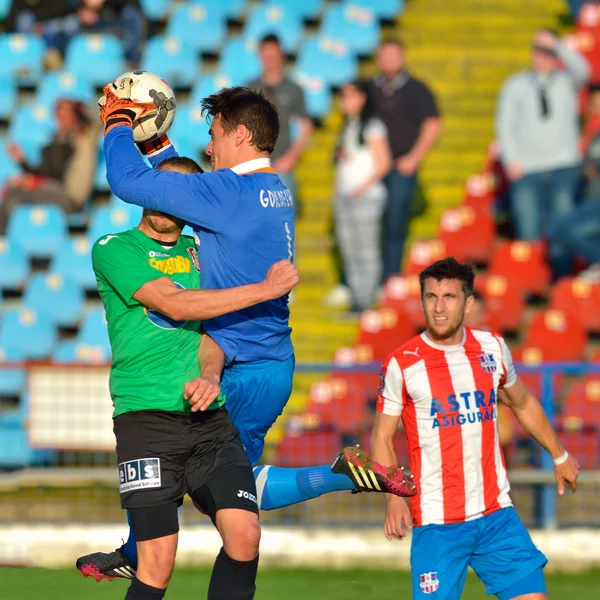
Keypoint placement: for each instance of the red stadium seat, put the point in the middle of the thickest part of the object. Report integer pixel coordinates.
(523, 265)
(403, 294)
(422, 254)
(578, 297)
(559, 335)
(504, 304)
(361, 381)
(468, 233)
(384, 330)
(585, 446)
(532, 356)
(308, 448)
(479, 191)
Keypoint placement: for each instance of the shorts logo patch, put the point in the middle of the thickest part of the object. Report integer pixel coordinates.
(139, 474)
(247, 496)
(429, 582)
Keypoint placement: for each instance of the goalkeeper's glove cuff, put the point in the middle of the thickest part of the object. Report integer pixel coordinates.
(121, 116)
(155, 145)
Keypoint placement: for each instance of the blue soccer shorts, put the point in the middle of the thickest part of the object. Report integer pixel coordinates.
(497, 547)
(256, 394)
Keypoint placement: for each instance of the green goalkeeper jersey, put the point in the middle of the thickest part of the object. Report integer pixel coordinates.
(153, 355)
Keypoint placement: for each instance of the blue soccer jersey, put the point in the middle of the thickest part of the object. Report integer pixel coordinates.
(243, 221)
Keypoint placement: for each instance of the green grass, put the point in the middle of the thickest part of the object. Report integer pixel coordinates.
(273, 584)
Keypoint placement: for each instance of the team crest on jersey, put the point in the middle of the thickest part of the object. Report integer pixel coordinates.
(429, 582)
(487, 362)
(195, 258)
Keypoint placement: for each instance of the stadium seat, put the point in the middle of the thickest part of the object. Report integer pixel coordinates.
(113, 219)
(384, 330)
(173, 59)
(582, 405)
(53, 295)
(422, 254)
(63, 85)
(4, 8)
(574, 295)
(239, 61)
(317, 94)
(72, 351)
(100, 180)
(39, 230)
(14, 266)
(308, 448)
(305, 9)
(275, 18)
(8, 96)
(328, 60)
(523, 264)
(479, 192)
(383, 9)
(559, 335)
(468, 233)
(12, 379)
(191, 127)
(227, 9)
(98, 57)
(73, 260)
(353, 25)
(403, 294)
(155, 10)
(30, 333)
(585, 445)
(93, 332)
(32, 124)
(202, 27)
(205, 86)
(504, 304)
(532, 356)
(22, 56)
(15, 450)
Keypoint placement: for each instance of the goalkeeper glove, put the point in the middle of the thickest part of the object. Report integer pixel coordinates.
(154, 145)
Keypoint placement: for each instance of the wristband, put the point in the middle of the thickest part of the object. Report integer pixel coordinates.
(561, 459)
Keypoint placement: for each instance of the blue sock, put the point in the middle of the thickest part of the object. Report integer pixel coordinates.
(277, 487)
(130, 547)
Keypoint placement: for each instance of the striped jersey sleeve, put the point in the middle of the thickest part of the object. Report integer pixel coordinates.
(389, 400)
(510, 376)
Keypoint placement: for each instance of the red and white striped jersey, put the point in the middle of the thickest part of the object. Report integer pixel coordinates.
(447, 398)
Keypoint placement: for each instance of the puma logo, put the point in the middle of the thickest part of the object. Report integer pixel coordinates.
(414, 352)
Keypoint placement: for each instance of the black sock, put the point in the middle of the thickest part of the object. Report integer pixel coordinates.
(141, 591)
(232, 579)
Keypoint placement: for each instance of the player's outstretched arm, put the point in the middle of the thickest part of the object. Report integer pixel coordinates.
(164, 296)
(535, 422)
(204, 390)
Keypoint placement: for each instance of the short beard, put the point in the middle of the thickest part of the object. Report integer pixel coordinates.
(450, 333)
(171, 228)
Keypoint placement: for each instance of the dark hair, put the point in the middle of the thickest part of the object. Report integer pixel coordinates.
(449, 268)
(392, 42)
(183, 164)
(478, 297)
(248, 107)
(270, 38)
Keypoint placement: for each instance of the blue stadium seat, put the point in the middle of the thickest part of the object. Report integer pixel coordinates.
(327, 60)
(355, 26)
(305, 9)
(172, 58)
(4, 8)
(32, 124)
(208, 85)
(317, 94)
(191, 127)
(56, 296)
(39, 229)
(12, 379)
(100, 181)
(202, 27)
(187, 148)
(113, 219)
(239, 61)
(155, 10)
(72, 351)
(63, 84)
(8, 96)
(22, 56)
(285, 23)
(33, 334)
(97, 57)
(15, 450)
(14, 266)
(94, 331)
(383, 9)
(73, 260)
(230, 9)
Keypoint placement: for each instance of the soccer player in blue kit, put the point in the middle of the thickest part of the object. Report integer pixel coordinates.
(243, 221)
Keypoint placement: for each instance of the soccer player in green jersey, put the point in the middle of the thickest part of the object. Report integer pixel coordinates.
(148, 279)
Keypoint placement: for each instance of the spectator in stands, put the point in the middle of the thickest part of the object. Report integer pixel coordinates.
(65, 173)
(539, 135)
(408, 109)
(289, 99)
(363, 161)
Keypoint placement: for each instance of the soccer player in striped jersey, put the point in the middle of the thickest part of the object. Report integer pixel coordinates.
(445, 384)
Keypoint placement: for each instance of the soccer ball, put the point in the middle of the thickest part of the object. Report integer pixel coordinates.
(149, 87)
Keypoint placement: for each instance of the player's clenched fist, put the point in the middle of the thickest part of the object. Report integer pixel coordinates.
(117, 108)
(397, 517)
(202, 392)
(280, 279)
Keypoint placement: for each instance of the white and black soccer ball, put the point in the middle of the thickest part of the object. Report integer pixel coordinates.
(149, 87)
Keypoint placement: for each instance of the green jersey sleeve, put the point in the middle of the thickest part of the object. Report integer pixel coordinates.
(123, 266)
